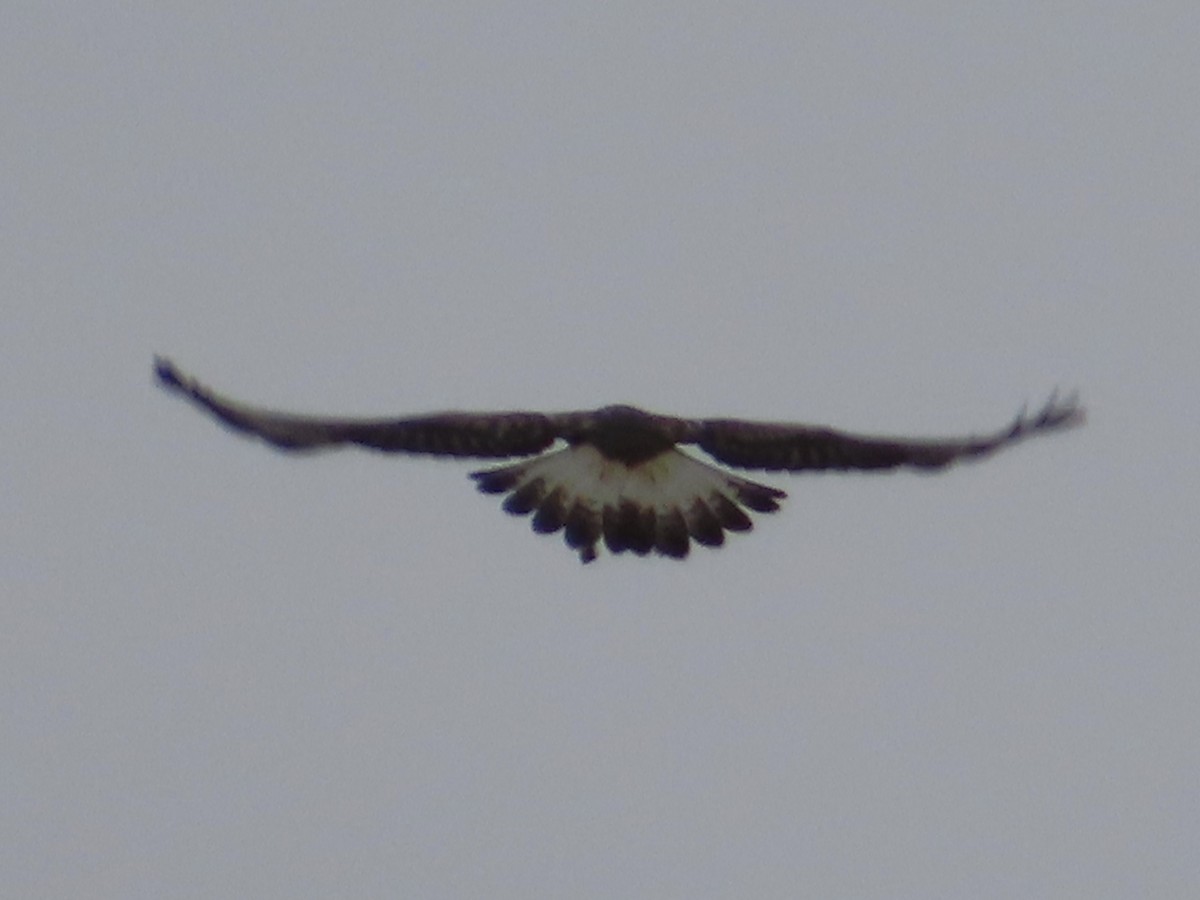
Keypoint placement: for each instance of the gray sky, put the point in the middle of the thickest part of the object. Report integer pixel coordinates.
(231, 673)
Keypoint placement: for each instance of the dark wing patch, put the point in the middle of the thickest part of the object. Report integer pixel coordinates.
(729, 514)
(703, 524)
(583, 529)
(489, 435)
(526, 498)
(770, 446)
(629, 526)
(672, 537)
(619, 480)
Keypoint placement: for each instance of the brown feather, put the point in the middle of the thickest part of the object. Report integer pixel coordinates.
(703, 525)
(526, 498)
(621, 478)
(552, 513)
(671, 538)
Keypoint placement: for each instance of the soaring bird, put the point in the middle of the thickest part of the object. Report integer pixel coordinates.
(618, 474)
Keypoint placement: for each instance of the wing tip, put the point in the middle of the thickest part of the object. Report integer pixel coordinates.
(1055, 413)
(172, 378)
(166, 373)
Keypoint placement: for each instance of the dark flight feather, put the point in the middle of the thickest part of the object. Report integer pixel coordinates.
(620, 477)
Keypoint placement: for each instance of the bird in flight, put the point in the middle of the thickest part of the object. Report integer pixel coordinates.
(618, 475)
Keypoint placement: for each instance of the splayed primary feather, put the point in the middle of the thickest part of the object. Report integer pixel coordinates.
(621, 478)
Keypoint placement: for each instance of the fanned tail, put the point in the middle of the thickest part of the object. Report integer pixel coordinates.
(658, 506)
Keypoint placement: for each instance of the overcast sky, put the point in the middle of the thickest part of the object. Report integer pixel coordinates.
(232, 673)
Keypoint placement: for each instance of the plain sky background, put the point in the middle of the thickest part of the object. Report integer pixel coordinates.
(230, 673)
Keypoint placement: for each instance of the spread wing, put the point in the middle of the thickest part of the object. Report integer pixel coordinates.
(445, 434)
(774, 446)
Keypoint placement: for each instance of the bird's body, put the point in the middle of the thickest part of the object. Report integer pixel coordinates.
(621, 477)
(624, 433)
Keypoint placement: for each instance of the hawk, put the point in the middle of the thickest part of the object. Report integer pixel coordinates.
(618, 474)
